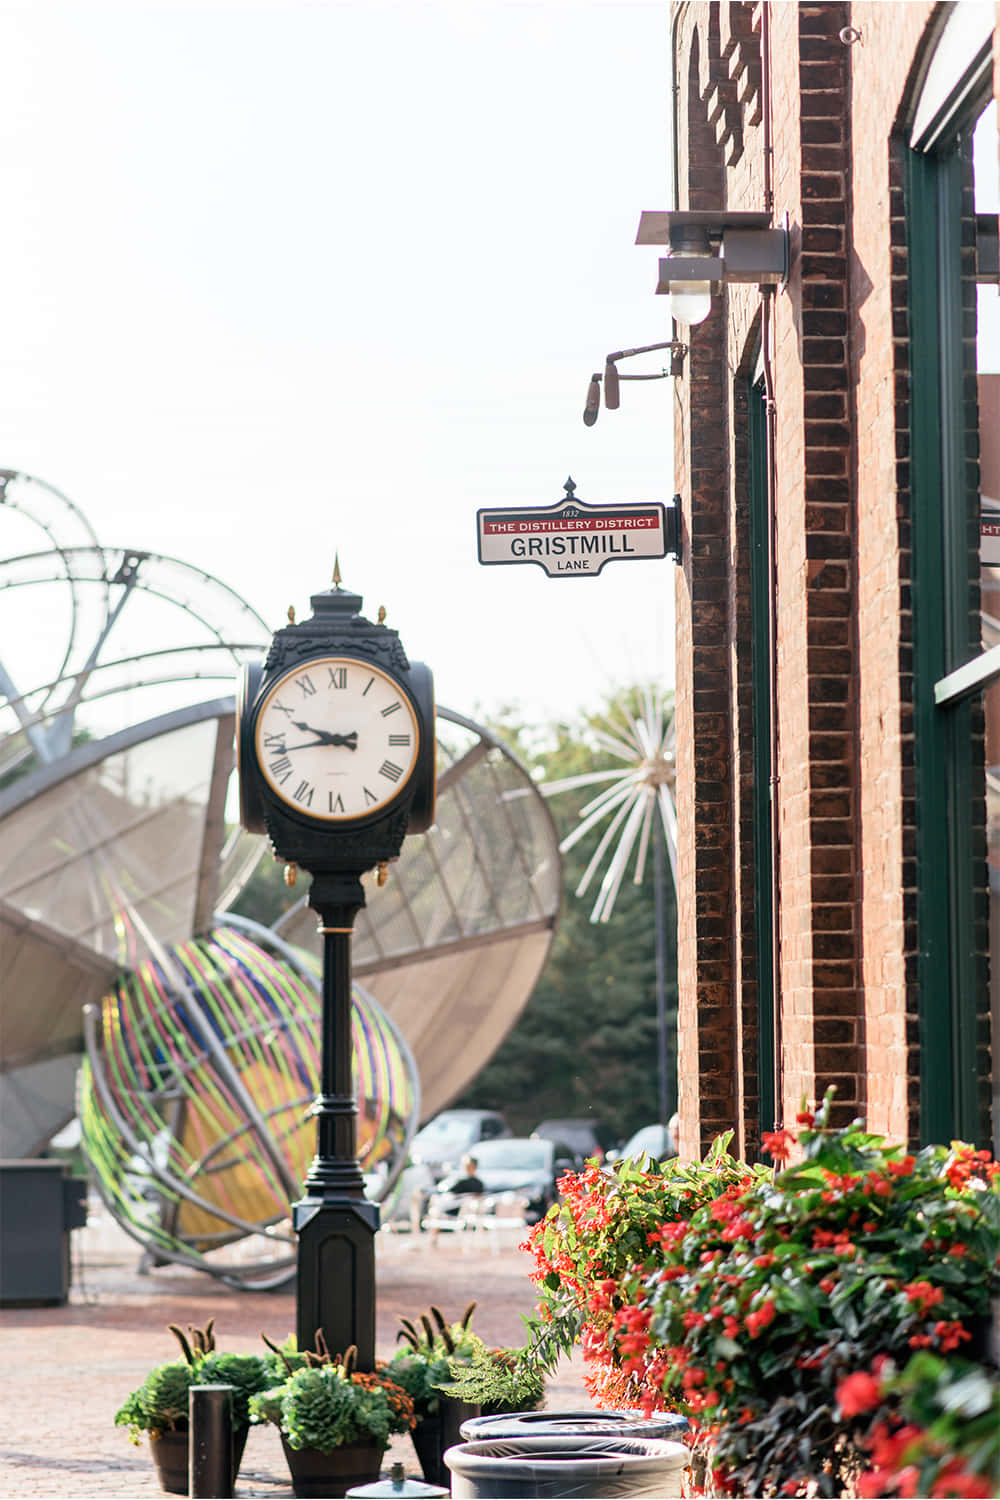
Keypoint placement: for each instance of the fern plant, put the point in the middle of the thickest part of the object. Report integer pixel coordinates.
(498, 1380)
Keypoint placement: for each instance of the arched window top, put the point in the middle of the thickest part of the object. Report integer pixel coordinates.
(959, 75)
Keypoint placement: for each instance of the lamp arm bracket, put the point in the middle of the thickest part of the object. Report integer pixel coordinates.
(674, 345)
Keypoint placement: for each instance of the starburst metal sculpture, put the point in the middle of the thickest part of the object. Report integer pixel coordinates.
(642, 790)
(641, 794)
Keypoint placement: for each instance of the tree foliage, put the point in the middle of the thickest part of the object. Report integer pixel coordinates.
(587, 1042)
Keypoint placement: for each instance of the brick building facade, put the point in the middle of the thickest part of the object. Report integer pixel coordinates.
(835, 682)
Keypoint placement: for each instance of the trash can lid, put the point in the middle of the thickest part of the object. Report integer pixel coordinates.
(397, 1485)
(586, 1422)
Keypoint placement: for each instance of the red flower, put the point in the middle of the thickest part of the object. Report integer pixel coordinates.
(956, 1483)
(763, 1317)
(778, 1143)
(889, 1448)
(805, 1117)
(860, 1392)
(738, 1229)
(950, 1335)
(924, 1294)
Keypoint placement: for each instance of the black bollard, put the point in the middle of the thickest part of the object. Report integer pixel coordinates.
(210, 1448)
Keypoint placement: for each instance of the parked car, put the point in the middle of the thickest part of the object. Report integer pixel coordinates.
(442, 1143)
(585, 1137)
(654, 1141)
(516, 1164)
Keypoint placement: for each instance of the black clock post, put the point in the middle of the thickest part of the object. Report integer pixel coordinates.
(337, 793)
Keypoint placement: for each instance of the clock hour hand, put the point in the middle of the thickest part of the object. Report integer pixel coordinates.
(324, 737)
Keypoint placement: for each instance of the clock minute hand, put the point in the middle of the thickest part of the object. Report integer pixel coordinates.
(324, 737)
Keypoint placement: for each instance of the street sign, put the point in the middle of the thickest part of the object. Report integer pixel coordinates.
(573, 539)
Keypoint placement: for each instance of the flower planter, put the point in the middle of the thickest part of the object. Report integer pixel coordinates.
(332, 1474)
(434, 1434)
(551, 1467)
(170, 1452)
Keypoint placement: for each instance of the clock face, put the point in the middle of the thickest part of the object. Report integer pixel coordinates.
(336, 738)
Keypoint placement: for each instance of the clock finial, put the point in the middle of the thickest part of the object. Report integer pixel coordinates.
(336, 571)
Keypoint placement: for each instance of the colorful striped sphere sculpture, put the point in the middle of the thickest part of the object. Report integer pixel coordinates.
(195, 1100)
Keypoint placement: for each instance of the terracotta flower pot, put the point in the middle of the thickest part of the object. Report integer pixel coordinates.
(332, 1474)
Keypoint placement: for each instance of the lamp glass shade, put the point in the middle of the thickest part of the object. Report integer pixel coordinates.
(690, 301)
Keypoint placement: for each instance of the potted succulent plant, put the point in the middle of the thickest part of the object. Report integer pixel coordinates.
(335, 1421)
(159, 1407)
(434, 1350)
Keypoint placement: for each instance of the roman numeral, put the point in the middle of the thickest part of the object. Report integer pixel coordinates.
(338, 677)
(304, 793)
(307, 685)
(282, 709)
(336, 803)
(281, 769)
(390, 770)
(370, 681)
(399, 739)
(392, 708)
(274, 741)
(370, 797)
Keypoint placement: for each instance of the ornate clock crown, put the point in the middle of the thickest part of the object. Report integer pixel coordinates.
(336, 625)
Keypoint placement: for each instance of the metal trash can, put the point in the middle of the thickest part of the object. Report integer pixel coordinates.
(39, 1204)
(586, 1422)
(551, 1468)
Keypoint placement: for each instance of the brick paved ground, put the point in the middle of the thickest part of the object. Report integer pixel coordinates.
(65, 1370)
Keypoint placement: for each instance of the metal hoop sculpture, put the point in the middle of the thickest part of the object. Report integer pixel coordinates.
(195, 1100)
(103, 592)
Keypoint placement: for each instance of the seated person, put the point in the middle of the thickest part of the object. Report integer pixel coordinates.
(451, 1190)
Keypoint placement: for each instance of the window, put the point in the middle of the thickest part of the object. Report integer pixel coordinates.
(956, 650)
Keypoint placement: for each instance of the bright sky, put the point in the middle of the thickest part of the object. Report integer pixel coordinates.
(296, 277)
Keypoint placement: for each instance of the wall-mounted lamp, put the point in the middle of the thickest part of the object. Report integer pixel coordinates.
(709, 248)
(612, 396)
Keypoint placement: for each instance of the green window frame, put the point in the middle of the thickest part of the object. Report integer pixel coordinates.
(949, 668)
(763, 791)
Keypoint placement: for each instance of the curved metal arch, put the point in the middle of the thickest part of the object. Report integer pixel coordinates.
(85, 756)
(132, 558)
(136, 684)
(98, 584)
(11, 476)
